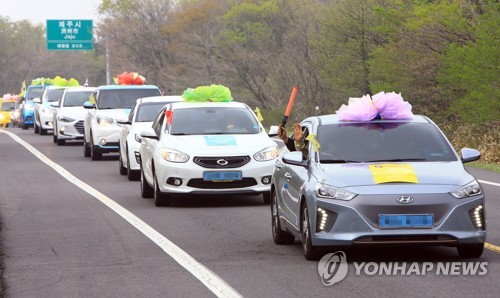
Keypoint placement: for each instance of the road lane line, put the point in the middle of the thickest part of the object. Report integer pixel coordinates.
(488, 182)
(211, 280)
(492, 247)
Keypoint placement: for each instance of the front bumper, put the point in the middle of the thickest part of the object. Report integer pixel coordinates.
(46, 120)
(106, 138)
(350, 228)
(70, 130)
(191, 175)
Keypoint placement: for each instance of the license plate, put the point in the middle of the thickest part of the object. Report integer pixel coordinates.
(221, 176)
(406, 220)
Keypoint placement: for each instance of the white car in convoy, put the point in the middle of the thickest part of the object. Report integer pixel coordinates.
(206, 148)
(43, 111)
(141, 116)
(69, 114)
(101, 131)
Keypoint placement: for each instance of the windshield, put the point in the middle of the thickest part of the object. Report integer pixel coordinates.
(147, 112)
(35, 92)
(76, 98)
(213, 120)
(53, 95)
(8, 106)
(123, 98)
(378, 142)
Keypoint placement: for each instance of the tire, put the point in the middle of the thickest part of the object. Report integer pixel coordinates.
(94, 155)
(267, 197)
(86, 148)
(61, 142)
(37, 129)
(132, 175)
(24, 126)
(279, 236)
(161, 199)
(54, 136)
(121, 169)
(146, 190)
(310, 252)
(43, 131)
(470, 251)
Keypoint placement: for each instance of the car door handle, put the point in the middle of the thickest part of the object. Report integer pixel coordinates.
(288, 176)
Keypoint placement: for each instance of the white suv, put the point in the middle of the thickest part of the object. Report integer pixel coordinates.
(101, 131)
(206, 148)
(141, 116)
(43, 111)
(69, 114)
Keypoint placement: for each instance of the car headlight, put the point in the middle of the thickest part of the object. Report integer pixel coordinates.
(173, 155)
(266, 154)
(104, 121)
(468, 190)
(330, 192)
(65, 119)
(1, 116)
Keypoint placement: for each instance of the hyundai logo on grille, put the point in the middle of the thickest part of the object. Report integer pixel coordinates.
(404, 199)
(222, 162)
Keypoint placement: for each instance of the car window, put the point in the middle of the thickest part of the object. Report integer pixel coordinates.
(213, 120)
(158, 123)
(8, 106)
(132, 113)
(76, 98)
(147, 112)
(53, 95)
(390, 141)
(35, 92)
(122, 98)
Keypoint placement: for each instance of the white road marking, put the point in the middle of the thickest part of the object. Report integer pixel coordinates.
(213, 282)
(488, 182)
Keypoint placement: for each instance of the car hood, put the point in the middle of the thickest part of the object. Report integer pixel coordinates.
(77, 113)
(140, 126)
(448, 175)
(114, 113)
(219, 145)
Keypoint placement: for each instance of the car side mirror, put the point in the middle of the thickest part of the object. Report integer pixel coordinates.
(54, 104)
(123, 121)
(469, 154)
(294, 158)
(273, 131)
(149, 133)
(88, 105)
(37, 100)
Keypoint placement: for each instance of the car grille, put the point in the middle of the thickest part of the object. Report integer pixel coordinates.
(79, 126)
(215, 162)
(200, 183)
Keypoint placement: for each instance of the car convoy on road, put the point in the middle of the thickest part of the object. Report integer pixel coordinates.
(387, 180)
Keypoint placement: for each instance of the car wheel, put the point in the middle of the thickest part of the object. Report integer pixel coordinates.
(86, 148)
(470, 251)
(310, 251)
(94, 155)
(121, 168)
(279, 236)
(267, 197)
(24, 126)
(131, 174)
(146, 190)
(37, 129)
(61, 142)
(43, 131)
(161, 199)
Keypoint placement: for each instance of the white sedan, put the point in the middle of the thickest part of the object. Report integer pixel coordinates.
(69, 115)
(206, 148)
(141, 116)
(43, 111)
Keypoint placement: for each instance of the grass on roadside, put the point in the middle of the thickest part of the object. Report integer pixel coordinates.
(484, 166)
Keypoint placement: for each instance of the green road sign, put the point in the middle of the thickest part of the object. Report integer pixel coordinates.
(69, 35)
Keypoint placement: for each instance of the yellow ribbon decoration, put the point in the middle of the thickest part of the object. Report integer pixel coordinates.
(312, 138)
(386, 173)
(259, 115)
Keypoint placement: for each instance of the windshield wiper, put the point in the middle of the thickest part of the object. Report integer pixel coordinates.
(397, 159)
(338, 161)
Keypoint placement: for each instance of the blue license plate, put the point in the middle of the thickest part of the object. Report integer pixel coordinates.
(406, 220)
(221, 176)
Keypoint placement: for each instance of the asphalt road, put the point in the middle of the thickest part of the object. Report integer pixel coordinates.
(60, 241)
